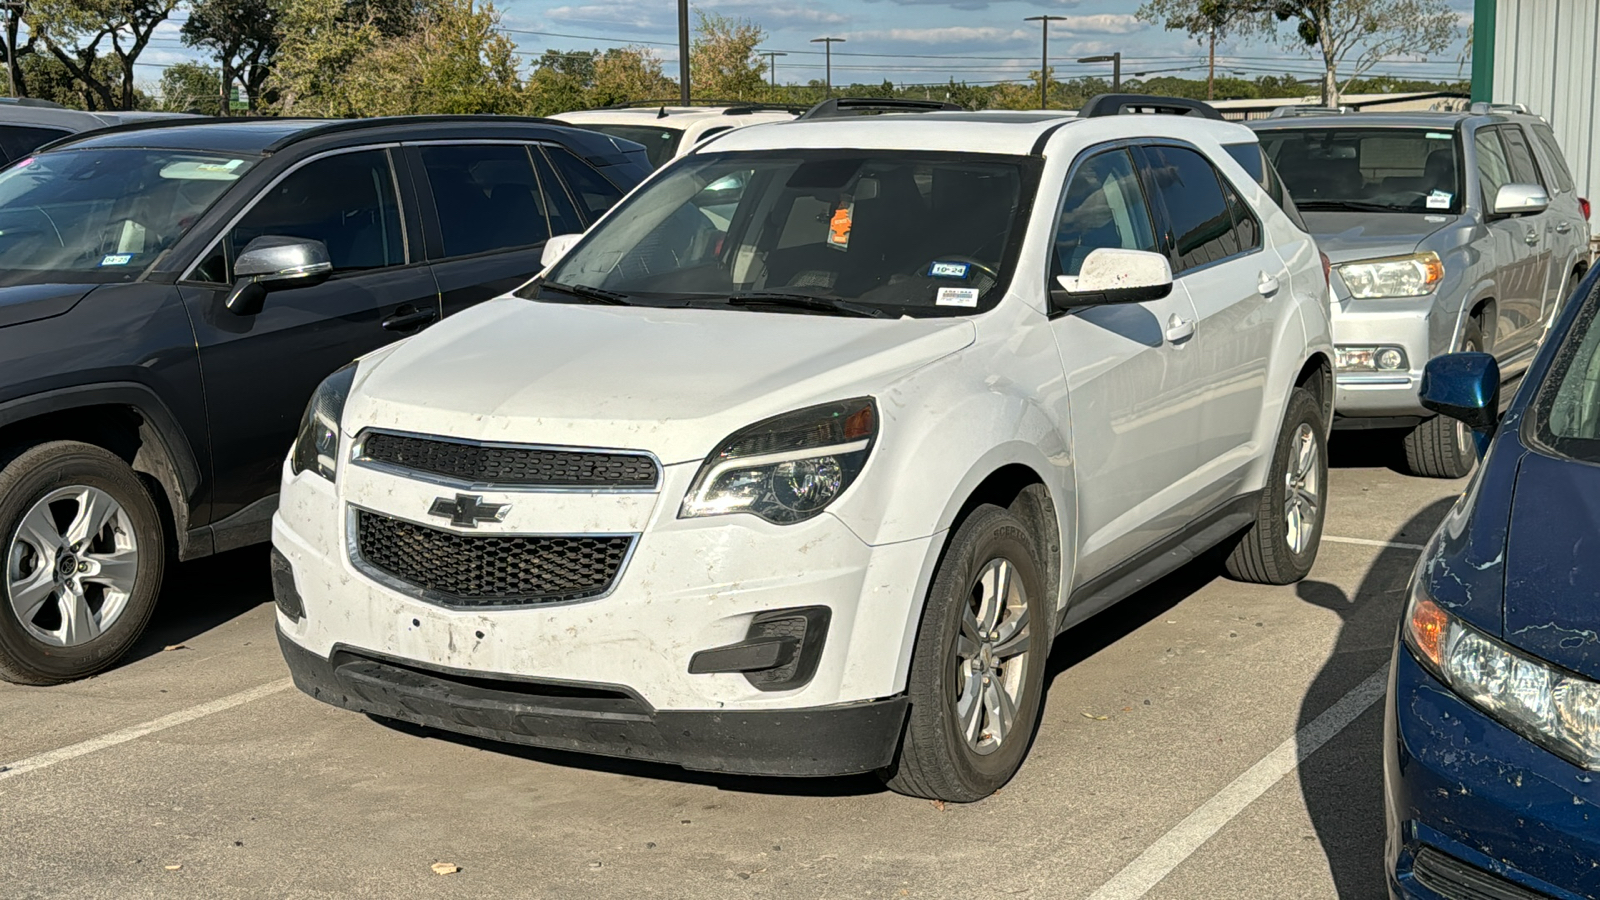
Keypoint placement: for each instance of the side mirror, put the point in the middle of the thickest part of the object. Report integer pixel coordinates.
(1464, 386)
(557, 247)
(1521, 200)
(273, 262)
(1111, 275)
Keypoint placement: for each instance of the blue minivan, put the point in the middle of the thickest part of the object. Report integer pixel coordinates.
(1492, 733)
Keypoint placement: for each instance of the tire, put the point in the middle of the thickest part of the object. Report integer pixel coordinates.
(1442, 447)
(1280, 546)
(72, 603)
(936, 758)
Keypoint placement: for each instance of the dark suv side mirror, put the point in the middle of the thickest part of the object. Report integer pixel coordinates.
(1464, 386)
(274, 262)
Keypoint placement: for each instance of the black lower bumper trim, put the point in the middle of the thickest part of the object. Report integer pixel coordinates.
(814, 741)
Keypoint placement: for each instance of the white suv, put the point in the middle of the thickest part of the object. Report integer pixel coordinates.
(668, 132)
(811, 491)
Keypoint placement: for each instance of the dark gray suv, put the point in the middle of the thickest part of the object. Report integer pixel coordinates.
(1446, 231)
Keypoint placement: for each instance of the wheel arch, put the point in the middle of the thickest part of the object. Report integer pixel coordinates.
(1316, 376)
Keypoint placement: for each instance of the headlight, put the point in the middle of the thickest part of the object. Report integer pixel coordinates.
(1399, 276)
(788, 468)
(1553, 708)
(317, 446)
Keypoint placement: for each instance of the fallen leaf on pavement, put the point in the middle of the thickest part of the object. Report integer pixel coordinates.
(445, 868)
(939, 805)
(174, 647)
(1095, 717)
(174, 868)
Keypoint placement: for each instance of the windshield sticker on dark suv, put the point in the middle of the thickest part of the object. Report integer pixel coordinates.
(948, 270)
(116, 259)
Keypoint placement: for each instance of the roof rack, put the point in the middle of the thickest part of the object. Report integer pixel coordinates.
(1482, 108)
(1121, 104)
(317, 127)
(1289, 112)
(846, 107)
(32, 101)
(734, 107)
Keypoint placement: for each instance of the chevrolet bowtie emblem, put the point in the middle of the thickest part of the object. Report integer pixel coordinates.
(467, 510)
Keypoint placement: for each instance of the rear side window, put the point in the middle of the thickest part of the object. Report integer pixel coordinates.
(564, 218)
(1555, 162)
(1253, 158)
(592, 191)
(17, 141)
(1203, 229)
(1520, 155)
(346, 201)
(1494, 171)
(487, 197)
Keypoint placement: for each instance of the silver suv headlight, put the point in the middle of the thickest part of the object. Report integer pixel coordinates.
(788, 468)
(1415, 275)
(317, 446)
(1556, 709)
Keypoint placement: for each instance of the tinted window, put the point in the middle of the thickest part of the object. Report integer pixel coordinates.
(1202, 227)
(1245, 226)
(1555, 162)
(1104, 206)
(1521, 156)
(1362, 169)
(487, 197)
(1494, 172)
(1567, 416)
(346, 201)
(593, 193)
(564, 217)
(660, 144)
(17, 141)
(1253, 158)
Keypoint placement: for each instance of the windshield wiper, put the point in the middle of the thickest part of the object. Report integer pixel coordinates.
(806, 301)
(1353, 205)
(592, 294)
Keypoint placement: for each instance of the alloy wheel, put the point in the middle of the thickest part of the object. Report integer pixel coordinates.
(70, 566)
(1304, 489)
(991, 657)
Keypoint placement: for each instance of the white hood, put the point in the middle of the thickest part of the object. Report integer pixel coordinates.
(671, 381)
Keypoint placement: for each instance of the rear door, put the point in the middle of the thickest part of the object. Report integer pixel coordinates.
(1519, 279)
(1214, 241)
(1566, 228)
(260, 370)
(488, 213)
(1524, 170)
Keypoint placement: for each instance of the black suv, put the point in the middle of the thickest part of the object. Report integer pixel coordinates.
(172, 292)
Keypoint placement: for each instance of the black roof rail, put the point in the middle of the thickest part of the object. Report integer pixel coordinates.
(338, 126)
(735, 107)
(1119, 104)
(147, 124)
(32, 101)
(845, 107)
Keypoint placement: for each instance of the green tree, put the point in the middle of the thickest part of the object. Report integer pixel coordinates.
(243, 37)
(85, 35)
(189, 87)
(1204, 19)
(722, 58)
(628, 75)
(559, 82)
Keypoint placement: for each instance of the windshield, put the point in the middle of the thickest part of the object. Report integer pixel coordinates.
(660, 144)
(1567, 414)
(102, 215)
(892, 232)
(1362, 169)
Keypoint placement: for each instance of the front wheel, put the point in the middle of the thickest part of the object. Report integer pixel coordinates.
(1282, 543)
(83, 561)
(1442, 447)
(977, 674)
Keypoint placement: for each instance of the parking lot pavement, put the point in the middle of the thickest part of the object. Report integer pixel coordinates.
(1165, 765)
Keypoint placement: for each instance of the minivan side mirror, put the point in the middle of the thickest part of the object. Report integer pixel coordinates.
(557, 247)
(1464, 386)
(1113, 275)
(1521, 200)
(275, 262)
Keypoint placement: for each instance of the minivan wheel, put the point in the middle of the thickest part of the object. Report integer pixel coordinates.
(1442, 447)
(83, 559)
(977, 674)
(1280, 546)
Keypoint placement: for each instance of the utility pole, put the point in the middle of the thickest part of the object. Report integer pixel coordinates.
(827, 44)
(1044, 56)
(1116, 67)
(1211, 67)
(772, 64)
(683, 52)
(13, 10)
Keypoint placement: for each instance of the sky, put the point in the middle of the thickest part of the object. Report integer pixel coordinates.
(905, 41)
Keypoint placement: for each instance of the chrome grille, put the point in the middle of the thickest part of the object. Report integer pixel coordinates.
(508, 464)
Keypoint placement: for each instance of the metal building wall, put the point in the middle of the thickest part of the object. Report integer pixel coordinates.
(1545, 58)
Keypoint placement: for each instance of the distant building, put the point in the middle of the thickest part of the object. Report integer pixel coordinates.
(1541, 53)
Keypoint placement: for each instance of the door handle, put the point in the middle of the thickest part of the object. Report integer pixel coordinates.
(408, 317)
(1564, 228)
(1179, 329)
(1532, 238)
(1267, 284)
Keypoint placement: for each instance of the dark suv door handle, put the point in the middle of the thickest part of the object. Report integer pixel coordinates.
(408, 317)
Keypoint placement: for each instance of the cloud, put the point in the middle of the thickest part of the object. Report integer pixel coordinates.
(655, 17)
(988, 34)
(769, 14)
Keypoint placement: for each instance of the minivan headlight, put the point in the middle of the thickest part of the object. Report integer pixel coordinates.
(1396, 276)
(317, 446)
(1551, 707)
(788, 468)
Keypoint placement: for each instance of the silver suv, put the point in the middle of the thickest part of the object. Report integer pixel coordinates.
(1446, 231)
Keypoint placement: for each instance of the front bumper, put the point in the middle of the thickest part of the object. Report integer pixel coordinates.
(1403, 323)
(603, 719)
(1494, 804)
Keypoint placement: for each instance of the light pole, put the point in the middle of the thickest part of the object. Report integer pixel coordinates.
(772, 64)
(827, 44)
(1044, 56)
(1116, 67)
(13, 10)
(683, 52)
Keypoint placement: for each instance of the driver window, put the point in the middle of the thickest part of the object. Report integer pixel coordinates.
(347, 201)
(1493, 170)
(1104, 207)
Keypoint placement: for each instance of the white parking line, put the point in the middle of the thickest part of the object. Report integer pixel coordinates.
(73, 751)
(1366, 543)
(1171, 849)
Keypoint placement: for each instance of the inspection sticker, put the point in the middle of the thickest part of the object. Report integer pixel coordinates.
(1439, 135)
(116, 259)
(1440, 199)
(948, 270)
(957, 297)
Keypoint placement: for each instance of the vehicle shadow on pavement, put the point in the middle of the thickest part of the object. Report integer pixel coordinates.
(200, 595)
(1342, 781)
(1368, 449)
